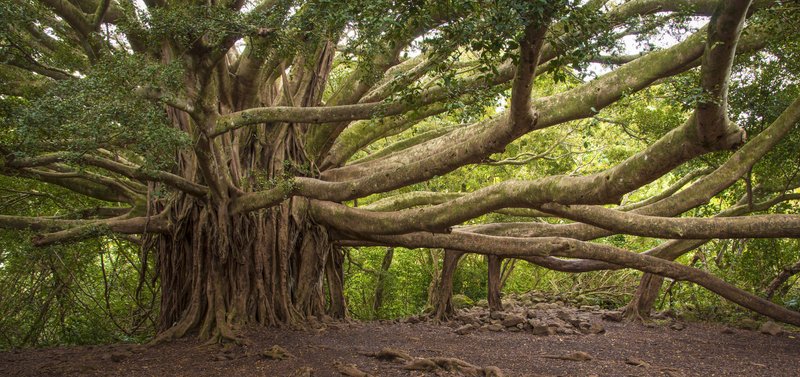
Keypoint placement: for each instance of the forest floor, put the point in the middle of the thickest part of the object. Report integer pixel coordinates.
(476, 343)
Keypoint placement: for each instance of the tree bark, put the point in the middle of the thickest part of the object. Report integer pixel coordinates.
(265, 268)
(493, 289)
(645, 297)
(385, 264)
(444, 305)
(787, 272)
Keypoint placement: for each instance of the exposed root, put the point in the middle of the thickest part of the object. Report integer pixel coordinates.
(632, 315)
(349, 370)
(303, 372)
(574, 356)
(277, 353)
(389, 354)
(436, 364)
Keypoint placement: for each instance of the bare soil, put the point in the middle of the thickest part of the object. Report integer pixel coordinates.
(664, 348)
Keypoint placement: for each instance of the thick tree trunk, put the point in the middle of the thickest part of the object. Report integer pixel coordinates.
(444, 305)
(264, 268)
(493, 289)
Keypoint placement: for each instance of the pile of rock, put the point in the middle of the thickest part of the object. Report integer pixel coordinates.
(537, 312)
(553, 320)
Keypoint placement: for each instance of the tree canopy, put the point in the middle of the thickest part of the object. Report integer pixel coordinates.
(243, 144)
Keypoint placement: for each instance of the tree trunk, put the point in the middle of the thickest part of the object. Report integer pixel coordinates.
(493, 289)
(263, 268)
(444, 305)
(385, 264)
(645, 297)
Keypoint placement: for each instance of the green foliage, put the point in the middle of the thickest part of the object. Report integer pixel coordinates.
(72, 294)
(98, 111)
(405, 283)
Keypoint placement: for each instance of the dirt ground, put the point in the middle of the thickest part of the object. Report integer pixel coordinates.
(663, 348)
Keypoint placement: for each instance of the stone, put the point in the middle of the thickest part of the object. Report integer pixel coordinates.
(541, 329)
(496, 315)
(748, 324)
(564, 316)
(594, 327)
(541, 306)
(728, 330)
(771, 328)
(637, 362)
(589, 308)
(613, 316)
(574, 356)
(492, 371)
(276, 353)
(677, 326)
(119, 356)
(462, 301)
(495, 327)
(512, 320)
(468, 318)
(466, 329)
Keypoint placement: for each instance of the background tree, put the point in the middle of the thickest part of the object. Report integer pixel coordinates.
(228, 135)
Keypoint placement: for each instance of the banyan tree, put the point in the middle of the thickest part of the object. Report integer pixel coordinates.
(238, 141)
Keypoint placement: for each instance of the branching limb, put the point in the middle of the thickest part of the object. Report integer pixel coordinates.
(530, 49)
(713, 124)
(669, 250)
(167, 98)
(130, 171)
(785, 274)
(100, 14)
(695, 195)
(72, 181)
(580, 102)
(669, 191)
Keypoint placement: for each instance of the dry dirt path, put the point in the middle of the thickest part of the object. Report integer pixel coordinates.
(696, 350)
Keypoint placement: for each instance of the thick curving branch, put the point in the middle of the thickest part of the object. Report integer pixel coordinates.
(580, 102)
(723, 35)
(693, 196)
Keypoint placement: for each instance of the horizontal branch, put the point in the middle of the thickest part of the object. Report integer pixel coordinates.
(669, 250)
(130, 171)
(570, 248)
(137, 225)
(759, 226)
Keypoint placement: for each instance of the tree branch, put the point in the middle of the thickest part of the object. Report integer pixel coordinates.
(713, 124)
(570, 248)
(137, 225)
(759, 226)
